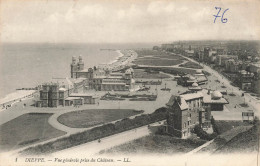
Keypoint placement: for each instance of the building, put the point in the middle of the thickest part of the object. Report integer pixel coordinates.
(221, 59)
(184, 112)
(214, 101)
(87, 98)
(195, 88)
(233, 66)
(53, 95)
(244, 80)
(103, 79)
(190, 109)
(188, 80)
(76, 66)
(61, 92)
(167, 47)
(254, 67)
(156, 48)
(189, 53)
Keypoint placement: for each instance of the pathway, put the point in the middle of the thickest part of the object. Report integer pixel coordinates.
(199, 148)
(93, 148)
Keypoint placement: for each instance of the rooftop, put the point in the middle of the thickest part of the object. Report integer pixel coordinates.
(208, 99)
(182, 106)
(191, 96)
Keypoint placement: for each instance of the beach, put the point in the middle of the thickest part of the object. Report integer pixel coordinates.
(120, 59)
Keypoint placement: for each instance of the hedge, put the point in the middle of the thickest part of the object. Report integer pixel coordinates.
(97, 133)
(203, 134)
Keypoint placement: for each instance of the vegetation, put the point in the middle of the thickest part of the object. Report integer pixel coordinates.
(158, 54)
(27, 129)
(157, 62)
(246, 141)
(92, 117)
(227, 130)
(191, 65)
(141, 97)
(156, 144)
(221, 126)
(97, 133)
(140, 73)
(171, 70)
(203, 134)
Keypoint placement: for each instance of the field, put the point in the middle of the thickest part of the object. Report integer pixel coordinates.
(228, 130)
(158, 54)
(157, 58)
(225, 125)
(27, 129)
(156, 144)
(89, 118)
(191, 65)
(157, 62)
(246, 141)
(140, 73)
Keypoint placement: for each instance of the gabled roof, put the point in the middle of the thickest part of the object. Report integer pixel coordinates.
(173, 101)
(191, 96)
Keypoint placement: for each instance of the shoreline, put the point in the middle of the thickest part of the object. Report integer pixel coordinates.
(124, 58)
(14, 97)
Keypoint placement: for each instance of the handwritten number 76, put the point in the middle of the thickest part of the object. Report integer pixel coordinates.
(223, 20)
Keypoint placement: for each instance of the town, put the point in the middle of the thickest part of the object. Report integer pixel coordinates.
(184, 97)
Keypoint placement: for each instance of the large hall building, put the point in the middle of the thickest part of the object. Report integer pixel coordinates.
(103, 79)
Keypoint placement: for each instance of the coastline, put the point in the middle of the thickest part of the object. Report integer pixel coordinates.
(124, 58)
(15, 97)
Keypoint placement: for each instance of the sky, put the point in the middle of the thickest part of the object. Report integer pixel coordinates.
(127, 21)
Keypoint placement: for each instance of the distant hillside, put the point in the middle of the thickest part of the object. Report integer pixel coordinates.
(243, 142)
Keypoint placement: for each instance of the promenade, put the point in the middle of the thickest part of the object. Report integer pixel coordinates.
(15, 97)
(233, 111)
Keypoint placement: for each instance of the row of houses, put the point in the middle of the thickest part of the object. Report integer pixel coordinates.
(243, 72)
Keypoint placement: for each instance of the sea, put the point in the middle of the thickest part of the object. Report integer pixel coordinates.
(26, 65)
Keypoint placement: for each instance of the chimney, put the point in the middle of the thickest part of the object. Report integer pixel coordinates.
(208, 91)
(178, 99)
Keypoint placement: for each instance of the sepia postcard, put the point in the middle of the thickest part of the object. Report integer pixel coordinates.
(129, 82)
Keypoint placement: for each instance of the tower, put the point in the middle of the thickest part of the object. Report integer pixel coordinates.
(80, 64)
(73, 67)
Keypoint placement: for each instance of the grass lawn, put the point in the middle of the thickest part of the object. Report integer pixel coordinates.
(159, 54)
(157, 62)
(225, 125)
(228, 131)
(27, 129)
(92, 117)
(191, 65)
(156, 144)
(246, 141)
(139, 73)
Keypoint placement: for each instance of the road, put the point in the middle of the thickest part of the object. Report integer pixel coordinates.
(93, 148)
(248, 98)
